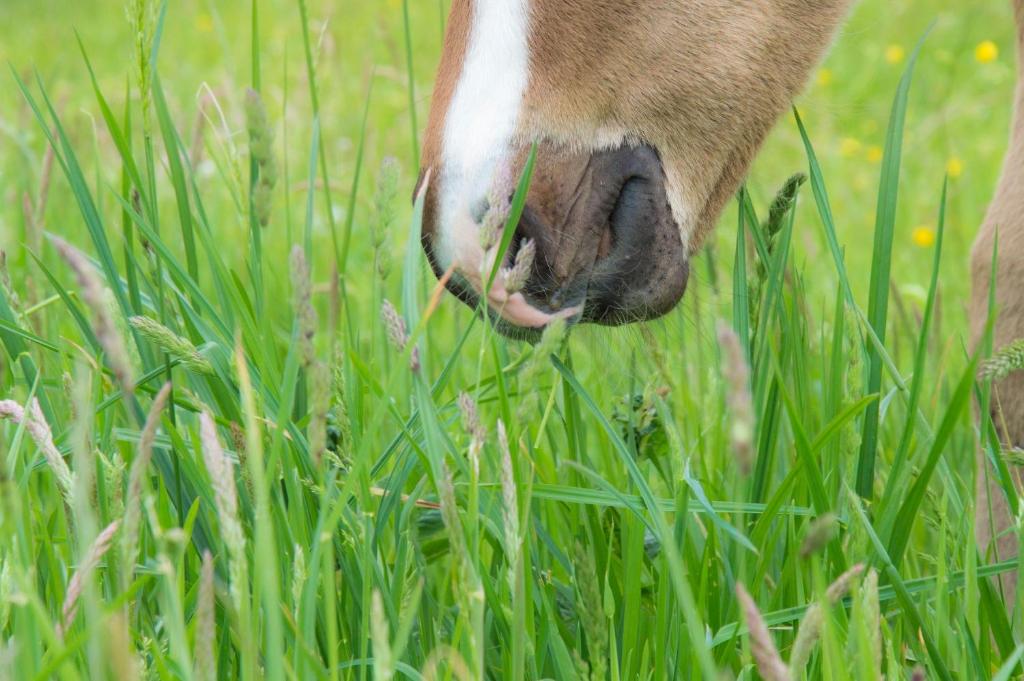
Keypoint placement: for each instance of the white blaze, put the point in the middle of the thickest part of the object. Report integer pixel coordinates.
(480, 122)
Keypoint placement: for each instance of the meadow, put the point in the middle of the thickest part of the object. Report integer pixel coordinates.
(352, 476)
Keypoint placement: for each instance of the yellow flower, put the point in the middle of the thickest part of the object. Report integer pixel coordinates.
(204, 23)
(986, 52)
(894, 54)
(850, 146)
(875, 154)
(824, 77)
(954, 167)
(923, 236)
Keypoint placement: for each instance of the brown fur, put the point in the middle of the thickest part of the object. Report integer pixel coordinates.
(703, 83)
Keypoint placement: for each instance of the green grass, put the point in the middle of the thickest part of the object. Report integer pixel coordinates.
(343, 522)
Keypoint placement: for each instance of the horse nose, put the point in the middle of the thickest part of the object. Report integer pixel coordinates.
(605, 236)
(607, 247)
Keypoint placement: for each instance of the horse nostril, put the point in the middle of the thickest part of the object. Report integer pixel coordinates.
(634, 211)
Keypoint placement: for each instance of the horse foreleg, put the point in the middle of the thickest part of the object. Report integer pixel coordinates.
(1004, 225)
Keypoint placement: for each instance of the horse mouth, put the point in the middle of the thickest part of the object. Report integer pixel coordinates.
(605, 248)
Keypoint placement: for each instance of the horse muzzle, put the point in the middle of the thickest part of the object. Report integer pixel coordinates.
(607, 248)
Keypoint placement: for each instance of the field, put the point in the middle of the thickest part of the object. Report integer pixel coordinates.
(329, 492)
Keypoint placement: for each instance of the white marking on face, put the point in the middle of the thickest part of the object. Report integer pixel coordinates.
(480, 123)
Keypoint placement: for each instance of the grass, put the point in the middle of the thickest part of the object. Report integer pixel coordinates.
(321, 493)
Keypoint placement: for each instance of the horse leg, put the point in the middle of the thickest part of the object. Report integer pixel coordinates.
(994, 519)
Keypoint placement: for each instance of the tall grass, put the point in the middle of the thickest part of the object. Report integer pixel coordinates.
(306, 499)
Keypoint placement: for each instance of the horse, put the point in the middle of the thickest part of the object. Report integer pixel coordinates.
(644, 117)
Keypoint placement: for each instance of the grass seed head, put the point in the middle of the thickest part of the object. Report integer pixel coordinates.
(820, 532)
(136, 479)
(474, 428)
(340, 429)
(739, 400)
(782, 204)
(92, 558)
(305, 313)
(262, 202)
(1005, 361)
(806, 640)
(261, 136)
(383, 663)
(206, 626)
(397, 333)
(517, 275)
(810, 628)
(384, 204)
(8, 289)
(762, 647)
(219, 467)
(298, 577)
(490, 230)
(225, 497)
(510, 506)
(838, 589)
(261, 147)
(92, 293)
(871, 611)
(498, 206)
(142, 20)
(450, 517)
(174, 345)
(394, 325)
(502, 189)
(38, 429)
